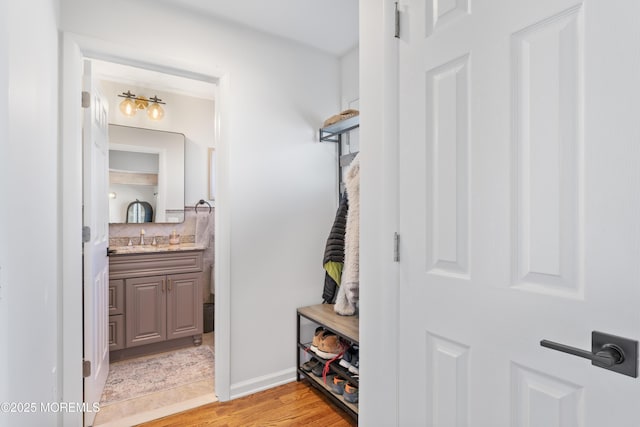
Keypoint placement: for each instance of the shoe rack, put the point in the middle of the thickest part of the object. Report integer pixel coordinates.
(346, 327)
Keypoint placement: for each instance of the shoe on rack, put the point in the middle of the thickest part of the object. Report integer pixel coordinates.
(337, 384)
(309, 365)
(330, 346)
(317, 336)
(350, 359)
(350, 393)
(318, 369)
(355, 365)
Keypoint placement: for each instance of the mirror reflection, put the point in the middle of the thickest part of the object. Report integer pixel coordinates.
(146, 175)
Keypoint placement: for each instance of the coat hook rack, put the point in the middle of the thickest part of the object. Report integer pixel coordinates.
(202, 202)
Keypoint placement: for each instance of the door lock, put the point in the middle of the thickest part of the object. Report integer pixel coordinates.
(607, 351)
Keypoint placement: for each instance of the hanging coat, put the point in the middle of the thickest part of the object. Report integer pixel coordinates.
(333, 260)
(349, 291)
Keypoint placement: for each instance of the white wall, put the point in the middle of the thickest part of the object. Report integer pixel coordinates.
(378, 218)
(350, 79)
(282, 182)
(29, 194)
(350, 96)
(4, 194)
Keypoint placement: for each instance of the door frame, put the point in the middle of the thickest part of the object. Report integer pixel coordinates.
(379, 219)
(73, 49)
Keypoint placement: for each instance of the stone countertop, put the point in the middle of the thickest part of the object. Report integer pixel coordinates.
(145, 249)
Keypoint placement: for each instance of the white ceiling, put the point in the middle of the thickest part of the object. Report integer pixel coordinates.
(328, 25)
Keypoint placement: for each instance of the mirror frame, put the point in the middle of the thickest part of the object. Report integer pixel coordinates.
(169, 206)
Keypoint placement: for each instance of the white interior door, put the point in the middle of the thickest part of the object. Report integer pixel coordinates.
(519, 210)
(96, 265)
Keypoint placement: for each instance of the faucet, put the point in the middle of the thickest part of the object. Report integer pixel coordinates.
(142, 236)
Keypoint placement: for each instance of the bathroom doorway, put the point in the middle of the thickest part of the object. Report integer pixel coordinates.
(135, 391)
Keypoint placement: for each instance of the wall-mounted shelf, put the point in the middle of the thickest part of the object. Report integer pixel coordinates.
(332, 133)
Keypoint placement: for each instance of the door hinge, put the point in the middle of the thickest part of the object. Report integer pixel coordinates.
(396, 247)
(86, 368)
(397, 22)
(86, 99)
(86, 234)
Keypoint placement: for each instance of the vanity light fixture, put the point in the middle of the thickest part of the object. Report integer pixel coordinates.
(132, 103)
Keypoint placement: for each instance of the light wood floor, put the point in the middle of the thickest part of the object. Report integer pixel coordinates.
(293, 404)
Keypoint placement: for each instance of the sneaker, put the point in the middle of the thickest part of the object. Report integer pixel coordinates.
(350, 359)
(350, 393)
(330, 346)
(309, 365)
(355, 364)
(317, 336)
(317, 370)
(337, 384)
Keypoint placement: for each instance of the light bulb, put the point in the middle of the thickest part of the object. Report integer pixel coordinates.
(155, 111)
(128, 107)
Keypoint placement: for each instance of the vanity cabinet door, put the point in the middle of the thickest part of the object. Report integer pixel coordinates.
(146, 310)
(184, 305)
(116, 296)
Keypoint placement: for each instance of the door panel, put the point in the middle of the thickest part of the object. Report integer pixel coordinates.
(518, 210)
(146, 302)
(184, 305)
(96, 266)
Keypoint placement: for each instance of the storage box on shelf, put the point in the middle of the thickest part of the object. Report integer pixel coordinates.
(347, 328)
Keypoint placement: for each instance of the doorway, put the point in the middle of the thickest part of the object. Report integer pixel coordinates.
(134, 391)
(74, 52)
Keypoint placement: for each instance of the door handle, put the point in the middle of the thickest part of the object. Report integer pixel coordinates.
(609, 355)
(610, 352)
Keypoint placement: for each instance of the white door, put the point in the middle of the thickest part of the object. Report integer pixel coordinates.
(519, 210)
(96, 265)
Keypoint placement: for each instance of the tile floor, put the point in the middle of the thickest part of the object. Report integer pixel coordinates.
(156, 405)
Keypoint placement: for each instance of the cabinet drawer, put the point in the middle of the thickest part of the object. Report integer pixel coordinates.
(141, 265)
(116, 296)
(116, 332)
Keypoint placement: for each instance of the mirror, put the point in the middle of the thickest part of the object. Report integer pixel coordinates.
(146, 175)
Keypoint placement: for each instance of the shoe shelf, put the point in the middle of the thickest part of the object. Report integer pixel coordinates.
(334, 367)
(346, 327)
(318, 383)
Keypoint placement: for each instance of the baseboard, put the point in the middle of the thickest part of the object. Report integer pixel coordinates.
(264, 382)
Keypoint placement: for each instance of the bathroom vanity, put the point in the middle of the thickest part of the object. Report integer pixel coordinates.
(155, 298)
